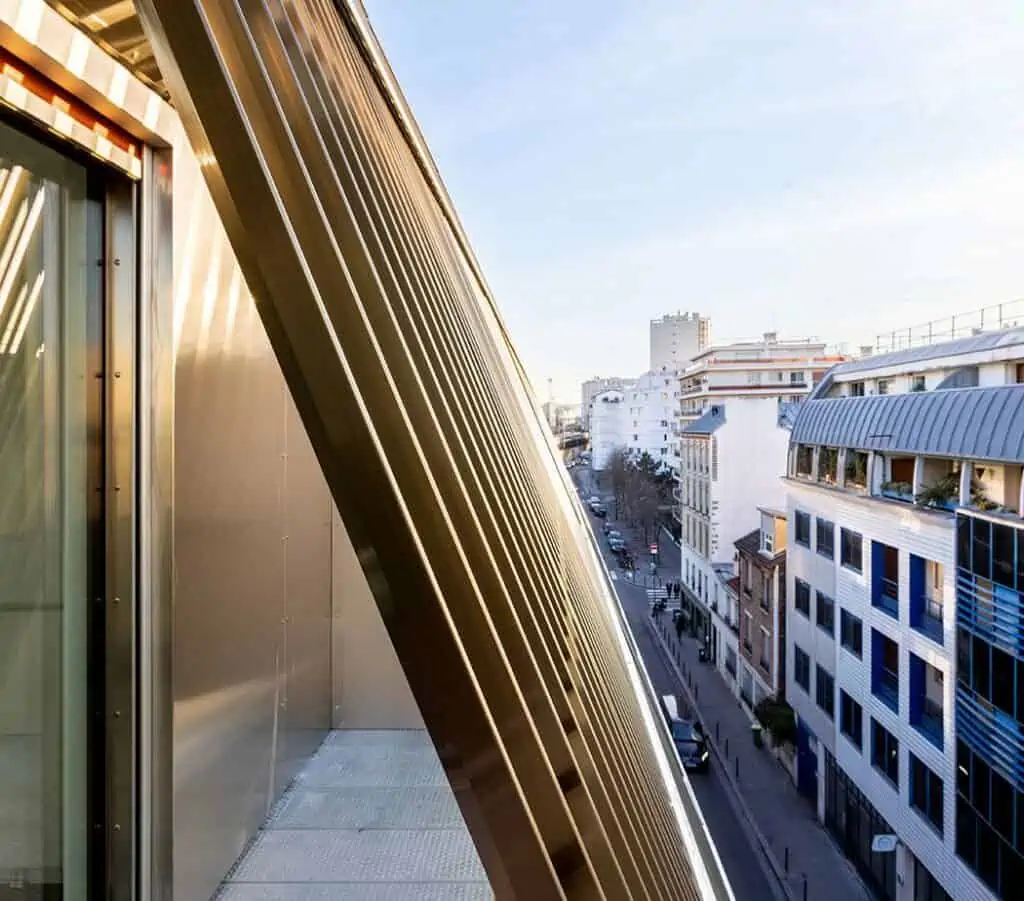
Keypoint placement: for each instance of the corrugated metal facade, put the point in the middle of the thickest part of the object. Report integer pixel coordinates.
(966, 423)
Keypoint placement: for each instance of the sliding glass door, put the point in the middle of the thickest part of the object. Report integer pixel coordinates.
(51, 435)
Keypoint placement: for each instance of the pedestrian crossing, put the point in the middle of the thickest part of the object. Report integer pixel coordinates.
(657, 594)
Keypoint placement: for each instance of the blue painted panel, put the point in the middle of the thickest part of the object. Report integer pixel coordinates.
(917, 589)
(990, 734)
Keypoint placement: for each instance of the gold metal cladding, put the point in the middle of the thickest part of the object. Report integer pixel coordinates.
(448, 483)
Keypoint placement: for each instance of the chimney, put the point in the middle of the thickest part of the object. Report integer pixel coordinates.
(866, 350)
(771, 337)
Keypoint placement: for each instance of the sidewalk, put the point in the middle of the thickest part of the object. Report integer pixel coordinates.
(778, 816)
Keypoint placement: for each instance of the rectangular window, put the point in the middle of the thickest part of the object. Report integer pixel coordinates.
(766, 649)
(851, 550)
(826, 614)
(856, 389)
(851, 633)
(802, 597)
(917, 383)
(883, 386)
(802, 528)
(747, 629)
(826, 538)
(801, 668)
(850, 719)
(926, 792)
(885, 670)
(885, 752)
(825, 691)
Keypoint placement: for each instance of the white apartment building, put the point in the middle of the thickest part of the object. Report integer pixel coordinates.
(591, 389)
(608, 428)
(905, 580)
(734, 438)
(653, 403)
(676, 339)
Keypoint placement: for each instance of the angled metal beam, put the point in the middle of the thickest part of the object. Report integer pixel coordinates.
(433, 447)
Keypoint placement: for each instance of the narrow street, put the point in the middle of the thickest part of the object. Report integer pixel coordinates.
(742, 862)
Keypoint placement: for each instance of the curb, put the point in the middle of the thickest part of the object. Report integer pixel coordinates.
(736, 795)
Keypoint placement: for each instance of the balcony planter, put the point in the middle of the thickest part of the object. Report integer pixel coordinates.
(898, 491)
(755, 731)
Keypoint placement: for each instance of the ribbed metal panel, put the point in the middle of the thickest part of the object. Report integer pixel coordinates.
(967, 423)
(479, 558)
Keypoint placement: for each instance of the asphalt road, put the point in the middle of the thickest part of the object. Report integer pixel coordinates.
(742, 863)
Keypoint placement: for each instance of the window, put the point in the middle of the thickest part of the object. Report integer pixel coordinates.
(851, 633)
(748, 628)
(803, 528)
(917, 383)
(828, 465)
(851, 550)
(885, 752)
(826, 538)
(801, 668)
(850, 719)
(856, 389)
(766, 649)
(753, 378)
(802, 597)
(885, 670)
(926, 886)
(730, 660)
(796, 378)
(883, 386)
(856, 470)
(826, 614)
(926, 793)
(767, 542)
(805, 460)
(825, 691)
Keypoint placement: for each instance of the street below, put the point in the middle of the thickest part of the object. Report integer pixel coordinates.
(742, 862)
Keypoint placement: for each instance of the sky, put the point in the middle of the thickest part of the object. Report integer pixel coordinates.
(834, 169)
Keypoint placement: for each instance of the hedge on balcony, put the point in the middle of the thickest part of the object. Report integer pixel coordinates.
(777, 717)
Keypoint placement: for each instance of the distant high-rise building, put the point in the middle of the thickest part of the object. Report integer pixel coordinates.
(676, 339)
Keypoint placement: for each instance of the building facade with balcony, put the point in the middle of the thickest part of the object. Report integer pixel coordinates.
(886, 612)
(760, 615)
(651, 429)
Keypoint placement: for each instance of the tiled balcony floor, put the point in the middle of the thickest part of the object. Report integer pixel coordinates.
(371, 818)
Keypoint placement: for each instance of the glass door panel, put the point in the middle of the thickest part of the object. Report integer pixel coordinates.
(44, 522)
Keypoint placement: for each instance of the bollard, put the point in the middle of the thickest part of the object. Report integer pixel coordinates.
(716, 730)
(805, 887)
(737, 769)
(785, 859)
(696, 693)
(727, 749)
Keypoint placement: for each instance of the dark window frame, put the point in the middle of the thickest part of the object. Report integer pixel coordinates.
(851, 719)
(801, 590)
(848, 540)
(802, 665)
(885, 755)
(826, 604)
(827, 548)
(825, 688)
(804, 518)
(851, 627)
(926, 793)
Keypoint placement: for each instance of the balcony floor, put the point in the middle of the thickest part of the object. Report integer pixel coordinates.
(370, 817)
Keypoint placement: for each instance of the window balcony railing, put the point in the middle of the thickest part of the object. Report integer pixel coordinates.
(887, 689)
(886, 598)
(931, 620)
(929, 722)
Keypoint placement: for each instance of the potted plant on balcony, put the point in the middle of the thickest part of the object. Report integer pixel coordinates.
(942, 493)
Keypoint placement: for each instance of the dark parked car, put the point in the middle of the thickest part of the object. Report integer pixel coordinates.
(616, 545)
(599, 510)
(687, 735)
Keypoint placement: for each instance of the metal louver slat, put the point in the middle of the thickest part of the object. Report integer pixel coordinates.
(446, 479)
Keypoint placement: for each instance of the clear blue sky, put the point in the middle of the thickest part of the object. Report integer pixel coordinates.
(832, 169)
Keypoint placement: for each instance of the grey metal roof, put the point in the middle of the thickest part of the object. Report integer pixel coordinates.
(708, 422)
(968, 423)
(973, 344)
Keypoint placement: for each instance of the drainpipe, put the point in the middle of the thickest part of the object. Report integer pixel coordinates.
(918, 475)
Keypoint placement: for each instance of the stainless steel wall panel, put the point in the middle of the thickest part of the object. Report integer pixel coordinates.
(252, 550)
(434, 451)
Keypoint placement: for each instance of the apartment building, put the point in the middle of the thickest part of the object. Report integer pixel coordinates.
(905, 573)
(609, 428)
(736, 408)
(651, 416)
(594, 387)
(676, 339)
(753, 656)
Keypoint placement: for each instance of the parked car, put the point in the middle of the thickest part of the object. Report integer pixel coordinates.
(616, 545)
(687, 736)
(600, 511)
(613, 535)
